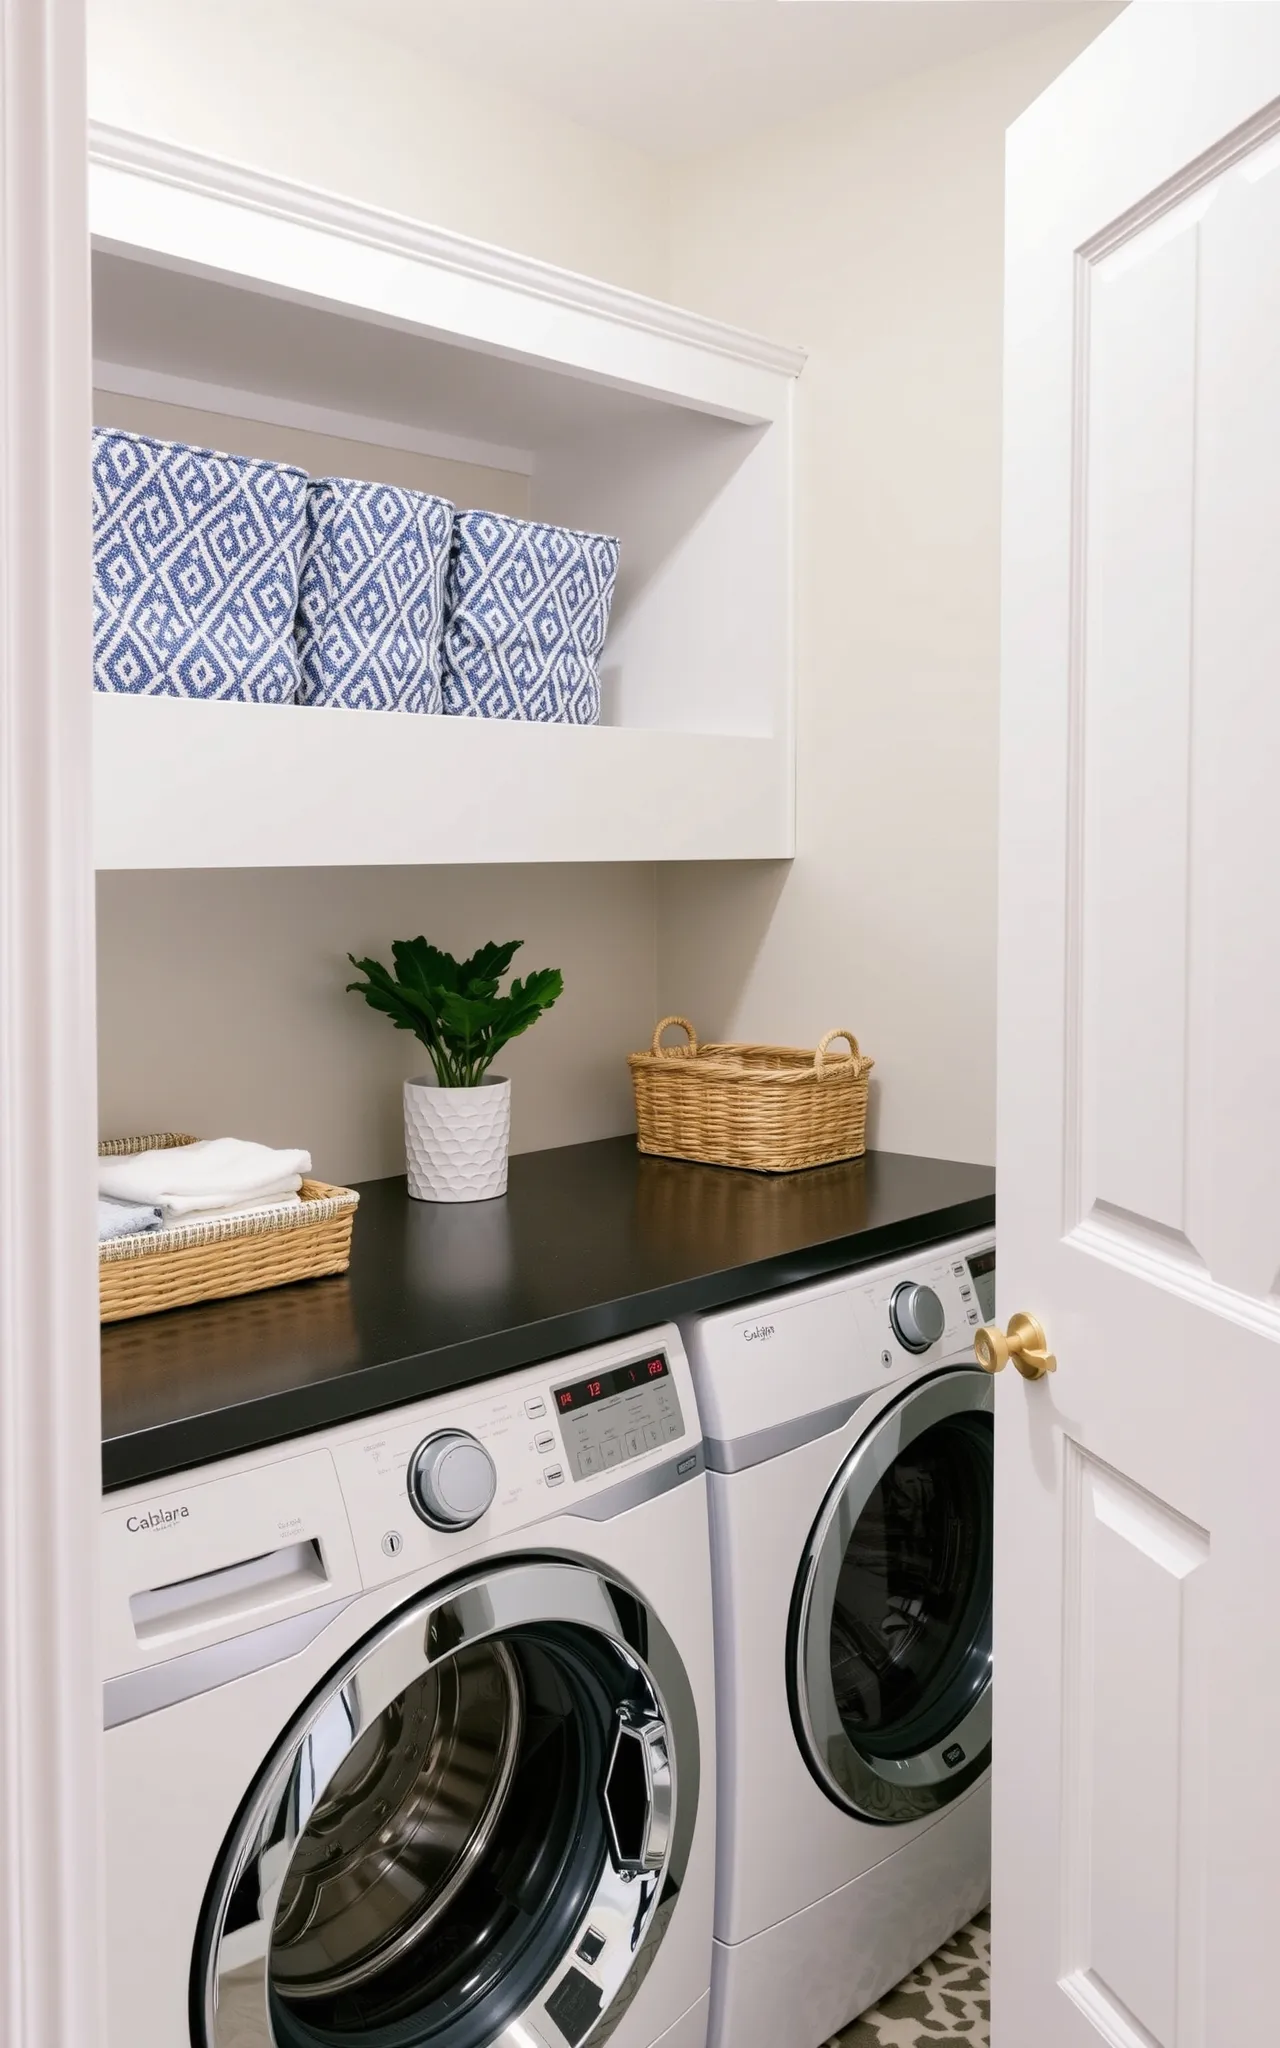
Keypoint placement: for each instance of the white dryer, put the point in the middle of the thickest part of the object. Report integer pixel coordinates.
(848, 1436)
(410, 1727)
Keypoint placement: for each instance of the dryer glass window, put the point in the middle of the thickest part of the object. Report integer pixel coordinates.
(911, 1622)
(890, 1639)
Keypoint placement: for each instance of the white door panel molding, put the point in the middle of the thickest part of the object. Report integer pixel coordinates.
(1173, 874)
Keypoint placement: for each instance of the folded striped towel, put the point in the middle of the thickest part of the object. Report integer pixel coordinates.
(124, 1219)
(211, 1177)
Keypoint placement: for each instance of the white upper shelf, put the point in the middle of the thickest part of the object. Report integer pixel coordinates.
(231, 286)
(175, 209)
(182, 784)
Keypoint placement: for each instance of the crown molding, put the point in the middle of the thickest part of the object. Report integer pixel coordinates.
(191, 170)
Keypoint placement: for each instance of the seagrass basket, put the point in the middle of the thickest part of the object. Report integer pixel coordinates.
(771, 1108)
(208, 1261)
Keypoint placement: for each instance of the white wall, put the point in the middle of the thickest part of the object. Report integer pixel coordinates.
(290, 87)
(872, 233)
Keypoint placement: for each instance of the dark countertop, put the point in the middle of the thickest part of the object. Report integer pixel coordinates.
(590, 1242)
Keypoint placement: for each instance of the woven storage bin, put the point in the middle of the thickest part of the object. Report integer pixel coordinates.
(526, 611)
(195, 570)
(208, 1261)
(371, 596)
(773, 1108)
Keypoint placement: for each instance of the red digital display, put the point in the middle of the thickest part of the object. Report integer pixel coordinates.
(623, 1379)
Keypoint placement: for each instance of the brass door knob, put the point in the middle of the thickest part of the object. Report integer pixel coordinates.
(1024, 1342)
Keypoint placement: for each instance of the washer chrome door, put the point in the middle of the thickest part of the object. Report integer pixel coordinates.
(890, 1643)
(471, 1826)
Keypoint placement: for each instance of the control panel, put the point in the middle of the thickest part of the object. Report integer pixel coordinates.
(611, 1417)
(798, 1353)
(477, 1464)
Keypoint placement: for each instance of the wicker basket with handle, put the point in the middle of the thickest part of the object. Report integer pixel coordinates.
(218, 1257)
(773, 1108)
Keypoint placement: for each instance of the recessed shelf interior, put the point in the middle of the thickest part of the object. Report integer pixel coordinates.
(225, 331)
(698, 638)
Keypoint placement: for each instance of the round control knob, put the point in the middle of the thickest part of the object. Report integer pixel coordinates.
(451, 1479)
(917, 1316)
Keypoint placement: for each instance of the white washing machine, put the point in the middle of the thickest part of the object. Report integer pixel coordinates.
(848, 1437)
(410, 1727)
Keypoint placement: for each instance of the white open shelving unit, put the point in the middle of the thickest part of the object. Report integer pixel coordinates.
(626, 415)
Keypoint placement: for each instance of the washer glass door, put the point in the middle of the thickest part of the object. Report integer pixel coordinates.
(466, 1834)
(890, 1648)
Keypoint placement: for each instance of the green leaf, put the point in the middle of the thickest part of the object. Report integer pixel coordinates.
(543, 987)
(423, 966)
(456, 1008)
(406, 1007)
(481, 974)
(471, 1014)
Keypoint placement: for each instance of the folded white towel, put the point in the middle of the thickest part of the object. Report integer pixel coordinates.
(124, 1219)
(230, 1210)
(191, 1209)
(214, 1173)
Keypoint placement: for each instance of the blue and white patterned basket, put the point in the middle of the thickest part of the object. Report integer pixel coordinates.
(371, 603)
(527, 611)
(195, 570)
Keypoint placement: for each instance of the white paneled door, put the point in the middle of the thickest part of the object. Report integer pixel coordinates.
(1137, 1777)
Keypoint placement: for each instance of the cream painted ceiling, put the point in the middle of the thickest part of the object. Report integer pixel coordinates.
(673, 77)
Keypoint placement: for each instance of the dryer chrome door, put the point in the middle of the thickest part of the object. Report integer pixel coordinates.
(889, 1655)
(471, 1826)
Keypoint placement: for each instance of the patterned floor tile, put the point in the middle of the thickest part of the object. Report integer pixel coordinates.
(943, 2004)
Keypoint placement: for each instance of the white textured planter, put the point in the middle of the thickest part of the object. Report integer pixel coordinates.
(456, 1139)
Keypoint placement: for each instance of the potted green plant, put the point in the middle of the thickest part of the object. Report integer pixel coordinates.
(457, 1121)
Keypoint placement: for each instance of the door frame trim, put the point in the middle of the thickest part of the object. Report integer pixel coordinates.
(51, 1899)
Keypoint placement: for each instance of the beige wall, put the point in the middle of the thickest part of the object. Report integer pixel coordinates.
(221, 1003)
(872, 233)
(289, 87)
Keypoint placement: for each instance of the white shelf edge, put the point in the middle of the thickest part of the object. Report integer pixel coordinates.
(188, 784)
(190, 170)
